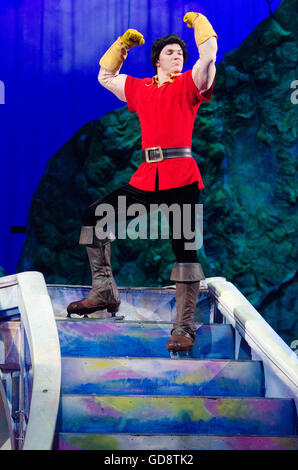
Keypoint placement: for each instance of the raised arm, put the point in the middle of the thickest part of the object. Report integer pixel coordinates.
(111, 62)
(204, 70)
(113, 82)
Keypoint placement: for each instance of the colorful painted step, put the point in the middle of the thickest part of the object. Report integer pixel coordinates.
(130, 376)
(100, 338)
(181, 415)
(78, 441)
(137, 303)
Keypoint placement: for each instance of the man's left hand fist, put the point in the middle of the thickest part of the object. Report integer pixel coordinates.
(189, 18)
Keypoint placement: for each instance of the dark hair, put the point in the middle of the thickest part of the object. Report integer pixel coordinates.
(160, 43)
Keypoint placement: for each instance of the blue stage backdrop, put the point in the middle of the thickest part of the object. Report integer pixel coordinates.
(49, 64)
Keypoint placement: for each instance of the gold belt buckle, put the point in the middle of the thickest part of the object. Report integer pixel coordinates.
(157, 159)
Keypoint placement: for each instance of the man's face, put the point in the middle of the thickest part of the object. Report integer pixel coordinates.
(170, 59)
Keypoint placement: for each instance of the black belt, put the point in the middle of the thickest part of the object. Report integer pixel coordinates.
(157, 154)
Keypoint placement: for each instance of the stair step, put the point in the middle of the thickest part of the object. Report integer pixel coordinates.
(102, 338)
(80, 441)
(185, 415)
(137, 304)
(146, 376)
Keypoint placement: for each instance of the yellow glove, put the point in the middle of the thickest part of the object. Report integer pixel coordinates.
(132, 38)
(202, 27)
(189, 18)
(113, 59)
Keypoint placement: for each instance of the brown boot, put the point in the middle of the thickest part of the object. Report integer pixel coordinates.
(104, 292)
(180, 343)
(187, 277)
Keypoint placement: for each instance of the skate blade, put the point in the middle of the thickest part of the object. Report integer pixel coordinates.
(181, 354)
(95, 316)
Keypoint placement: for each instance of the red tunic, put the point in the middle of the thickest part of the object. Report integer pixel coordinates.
(167, 115)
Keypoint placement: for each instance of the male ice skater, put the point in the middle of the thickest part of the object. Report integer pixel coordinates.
(166, 106)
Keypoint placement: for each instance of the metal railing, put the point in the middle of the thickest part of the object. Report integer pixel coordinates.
(279, 361)
(28, 292)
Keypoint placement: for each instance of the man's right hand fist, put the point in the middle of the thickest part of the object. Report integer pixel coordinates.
(113, 59)
(132, 38)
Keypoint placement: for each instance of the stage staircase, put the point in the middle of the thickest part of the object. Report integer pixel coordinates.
(122, 390)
